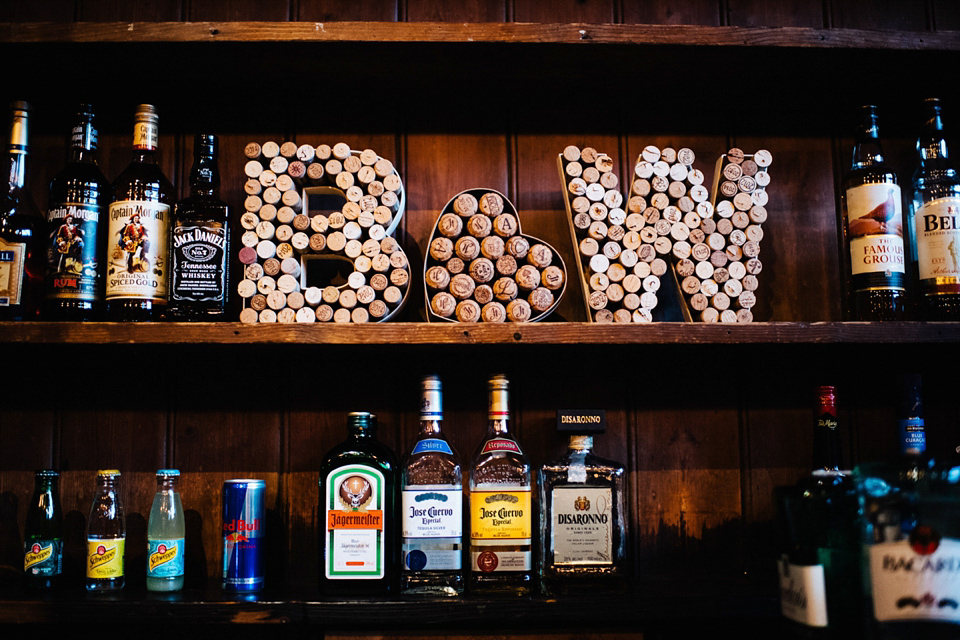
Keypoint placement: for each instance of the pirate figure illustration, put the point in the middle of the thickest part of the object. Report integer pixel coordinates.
(69, 244)
(134, 240)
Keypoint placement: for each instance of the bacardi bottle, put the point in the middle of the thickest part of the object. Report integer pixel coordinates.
(911, 534)
(357, 506)
(431, 506)
(501, 506)
(583, 532)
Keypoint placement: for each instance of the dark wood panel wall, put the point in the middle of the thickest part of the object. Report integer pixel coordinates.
(706, 433)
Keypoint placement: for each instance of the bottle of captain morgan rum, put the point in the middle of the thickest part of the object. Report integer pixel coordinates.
(431, 506)
(501, 506)
(911, 533)
(76, 218)
(357, 506)
(583, 532)
(138, 230)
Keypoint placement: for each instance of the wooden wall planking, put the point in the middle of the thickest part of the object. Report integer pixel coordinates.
(698, 473)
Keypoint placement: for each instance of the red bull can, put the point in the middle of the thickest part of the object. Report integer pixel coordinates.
(243, 534)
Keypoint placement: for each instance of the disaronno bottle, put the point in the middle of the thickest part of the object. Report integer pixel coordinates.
(583, 535)
(432, 506)
(139, 229)
(501, 554)
(357, 506)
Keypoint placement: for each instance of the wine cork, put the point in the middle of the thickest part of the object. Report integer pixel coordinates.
(519, 310)
(505, 289)
(493, 312)
(506, 265)
(483, 294)
(437, 277)
(462, 286)
(479, 225)
(468, 311)
(492, 247)
(528, 277)
(482, 270)
(505, 225)
(465, 205)
(324, 313)
(552, 278)
(450, 225)
(491, 204)
(378, 309)
(441, 249)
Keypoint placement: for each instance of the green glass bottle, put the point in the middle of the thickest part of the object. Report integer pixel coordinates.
(357, 505)
(43, 533)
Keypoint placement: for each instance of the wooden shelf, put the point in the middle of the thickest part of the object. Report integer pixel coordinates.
(418, 333)
(455, 32)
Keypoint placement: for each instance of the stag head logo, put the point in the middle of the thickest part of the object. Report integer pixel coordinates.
(355, 492)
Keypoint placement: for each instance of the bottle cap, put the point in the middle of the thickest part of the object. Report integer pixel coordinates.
(361, 421)
(168, 473)
(48, 473)
(108, 473)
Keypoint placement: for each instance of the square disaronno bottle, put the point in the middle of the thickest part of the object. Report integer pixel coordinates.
(583, 531)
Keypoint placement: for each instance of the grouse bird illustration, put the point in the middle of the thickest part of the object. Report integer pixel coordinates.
(885, 211)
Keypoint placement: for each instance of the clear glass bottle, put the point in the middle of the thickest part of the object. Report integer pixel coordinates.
(501, 506)
(77, 206)
(583, 528)
(819, 568)
(43, 533)
(200, 242)
(106, 535)
(138, 232)
(873, 229)
(911, 534)
(21, 229)
(358, 486)
(431, 506)
(934, 222)
(166, 531)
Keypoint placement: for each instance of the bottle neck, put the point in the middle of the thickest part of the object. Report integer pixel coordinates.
(866, 149)
(166, 485)
(931, 143)
(498, 426)
(429, 427)
(581, 444)
(17, 169)
(826, 440)
(83, 142)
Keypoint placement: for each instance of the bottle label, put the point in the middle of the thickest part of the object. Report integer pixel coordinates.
(432, 512)
(500, 444)
(165, 558)
(432, 445)
(500, 514)
(137, 250)
(917, 578)
(105, 558)
(913, 437)
(433, 554)
(493, 559)
(354, 545)
(12, 256)
(43, 557)
(875, 234)
(199, 262)
(938, 245)
(72, 260)
(803, 593)
(582, 525)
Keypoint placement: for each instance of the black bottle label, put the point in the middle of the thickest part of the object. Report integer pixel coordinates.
(72, 261)
(199, 261)
(43, 557)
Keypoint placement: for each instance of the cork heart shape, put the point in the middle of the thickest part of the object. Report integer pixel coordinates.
(317, 241)
(668, 247)
(480, 267)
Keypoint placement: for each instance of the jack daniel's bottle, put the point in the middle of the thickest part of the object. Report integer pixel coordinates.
(138, 230)
(200, 242)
